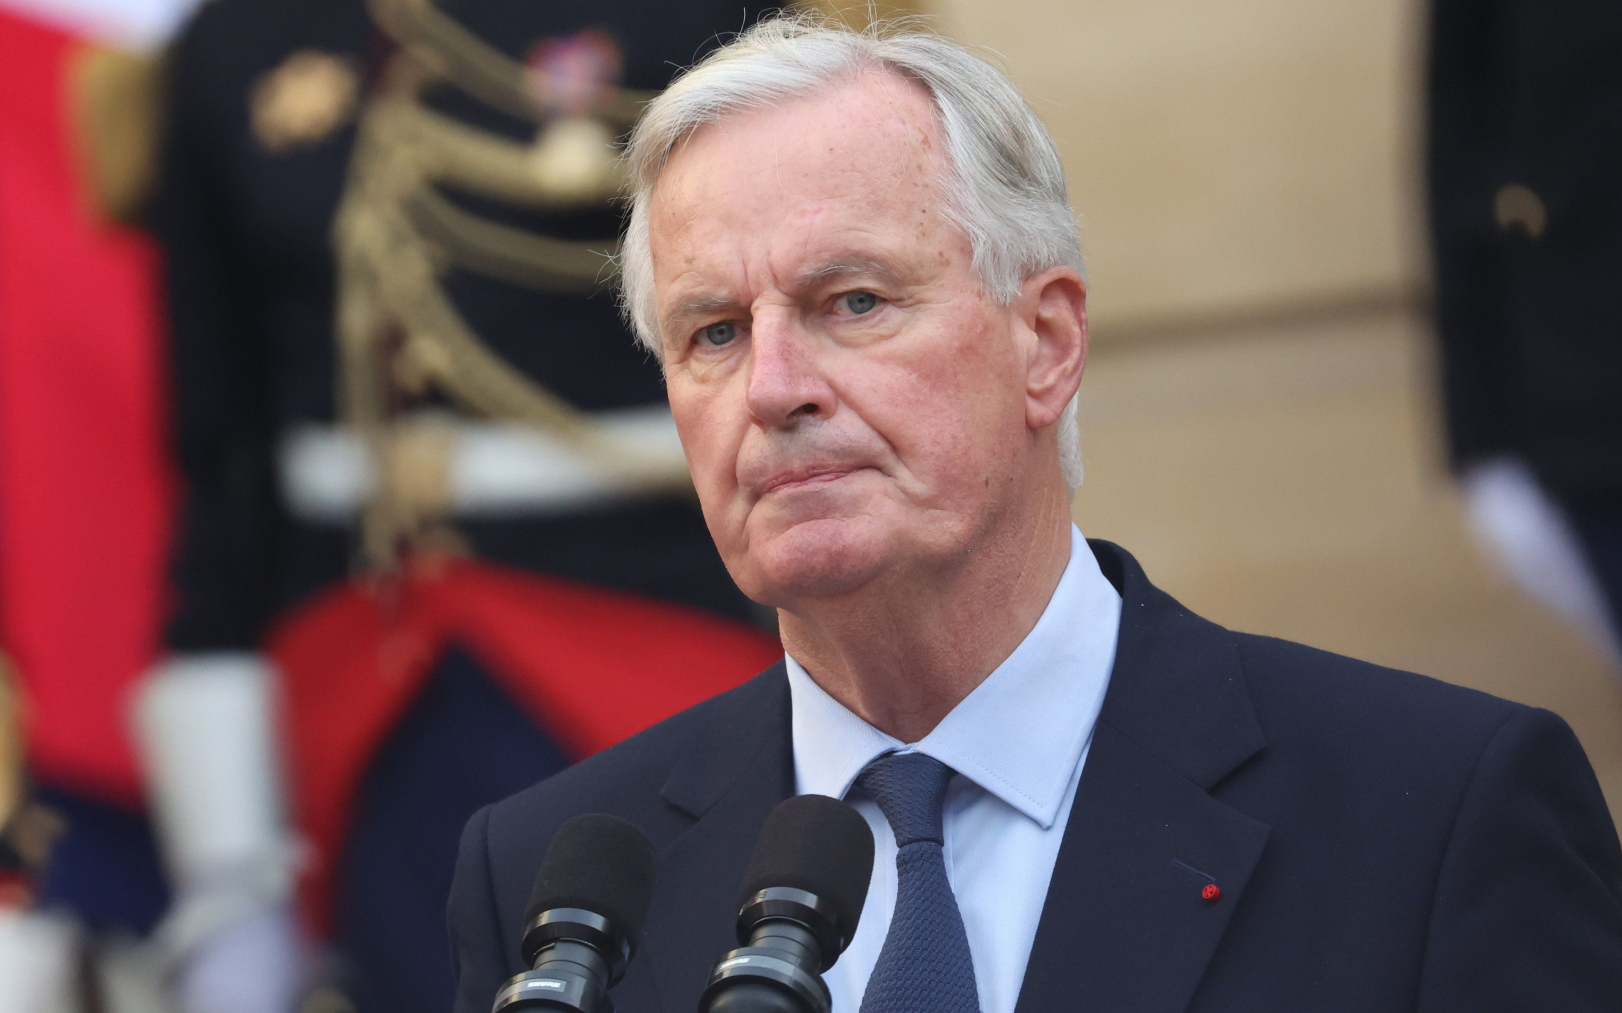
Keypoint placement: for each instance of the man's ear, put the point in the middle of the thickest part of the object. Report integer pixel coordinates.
(1053, 306)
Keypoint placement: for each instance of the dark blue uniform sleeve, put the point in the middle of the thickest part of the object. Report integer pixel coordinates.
(223, 555)
(478, 947)
(1528, 907)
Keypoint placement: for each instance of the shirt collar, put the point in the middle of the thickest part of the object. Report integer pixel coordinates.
(1019, 735)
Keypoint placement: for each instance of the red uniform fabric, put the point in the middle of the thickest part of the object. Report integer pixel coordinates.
(85, 488)
(591, 667)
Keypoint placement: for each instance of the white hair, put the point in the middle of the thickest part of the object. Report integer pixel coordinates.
(1003, 183)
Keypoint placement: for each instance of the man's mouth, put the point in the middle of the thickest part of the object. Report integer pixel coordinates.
(801, 477)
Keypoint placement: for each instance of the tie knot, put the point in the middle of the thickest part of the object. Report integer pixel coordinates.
(910, 789)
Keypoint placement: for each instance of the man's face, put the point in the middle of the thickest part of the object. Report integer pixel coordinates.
(851, 403)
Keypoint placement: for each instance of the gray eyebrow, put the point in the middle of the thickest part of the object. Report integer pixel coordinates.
(854, 264)
(696, 307)
(838, 267)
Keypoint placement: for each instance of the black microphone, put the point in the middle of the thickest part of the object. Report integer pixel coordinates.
(584, 917)
(801, 900)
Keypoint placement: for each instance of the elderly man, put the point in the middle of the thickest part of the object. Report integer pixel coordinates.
(854, 256)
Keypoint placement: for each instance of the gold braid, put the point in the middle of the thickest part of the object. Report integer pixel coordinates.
(398, 331)
(396, 234)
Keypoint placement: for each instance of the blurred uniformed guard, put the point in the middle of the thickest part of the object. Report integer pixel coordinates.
(436, 513)
(85, 497)
(1525, 172)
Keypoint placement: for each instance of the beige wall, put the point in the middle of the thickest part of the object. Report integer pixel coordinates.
(1225, 156)
(1258, 417)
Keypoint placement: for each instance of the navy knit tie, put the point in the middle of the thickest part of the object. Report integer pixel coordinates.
(924, 966)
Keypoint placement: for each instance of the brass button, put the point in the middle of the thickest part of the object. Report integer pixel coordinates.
(306, 98)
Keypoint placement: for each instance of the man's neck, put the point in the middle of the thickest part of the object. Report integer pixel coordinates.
(901, 653)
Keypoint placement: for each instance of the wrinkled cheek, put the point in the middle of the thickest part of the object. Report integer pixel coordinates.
(711, 450)
(711, 471)
(947, 448)
(729, 523)
(989, 413)
(717, 497)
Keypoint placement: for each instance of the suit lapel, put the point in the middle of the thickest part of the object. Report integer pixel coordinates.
(729, 781)
(1125, 925)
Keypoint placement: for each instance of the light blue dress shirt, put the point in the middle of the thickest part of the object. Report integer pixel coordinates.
(1017, 743)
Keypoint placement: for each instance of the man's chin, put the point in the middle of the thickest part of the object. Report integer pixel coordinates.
(815, 559)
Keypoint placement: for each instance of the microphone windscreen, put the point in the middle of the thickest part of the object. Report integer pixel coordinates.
(600, 863)
(817, 844)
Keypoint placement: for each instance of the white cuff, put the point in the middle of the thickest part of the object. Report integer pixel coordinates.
(205, 726)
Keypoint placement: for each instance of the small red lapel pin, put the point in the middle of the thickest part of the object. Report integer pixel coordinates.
(1211, 892)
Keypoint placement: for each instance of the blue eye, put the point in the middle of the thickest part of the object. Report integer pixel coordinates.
(719, 334)
(860, 302)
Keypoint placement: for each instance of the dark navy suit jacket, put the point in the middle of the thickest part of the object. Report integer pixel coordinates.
(1382, 841)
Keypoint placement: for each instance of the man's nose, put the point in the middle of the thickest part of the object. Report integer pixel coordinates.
(785, 384)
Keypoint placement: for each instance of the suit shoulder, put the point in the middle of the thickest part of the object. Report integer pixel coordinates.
(1357, 751)
(1302, 693)
(625, 779)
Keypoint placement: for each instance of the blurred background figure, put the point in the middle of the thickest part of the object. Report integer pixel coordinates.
(436, 514)
(85, 496)
(495, 425)
(1525, 173)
